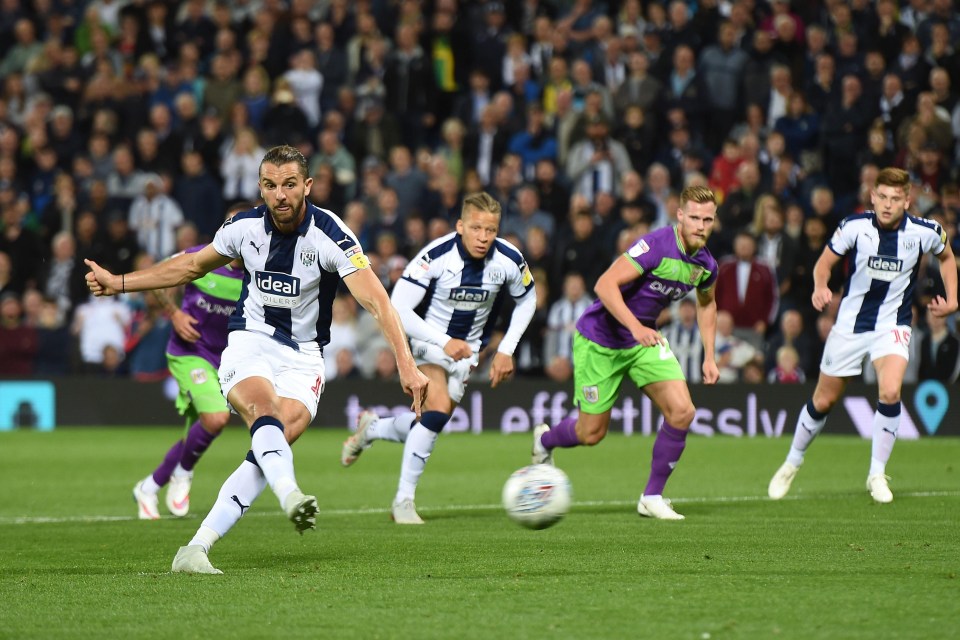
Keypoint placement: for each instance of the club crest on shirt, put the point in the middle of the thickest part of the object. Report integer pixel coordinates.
(695, 275)
(591, 394)
(308, 255)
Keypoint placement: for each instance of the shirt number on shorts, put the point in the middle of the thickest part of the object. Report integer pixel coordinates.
(901, 336)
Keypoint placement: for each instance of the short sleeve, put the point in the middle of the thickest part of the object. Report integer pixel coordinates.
(707, 283)
(936, 240)
(521, 281)
(228, 239)
(346, 256)
(643, 255)
(844, 238)
(420, 270)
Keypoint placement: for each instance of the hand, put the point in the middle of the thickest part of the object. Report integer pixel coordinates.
(821, 298)
(457, 349)
(183, 324)
(414, 384)
(710, 372)
(501, 368)
(941, 308)
(647, 336)
(100, 281)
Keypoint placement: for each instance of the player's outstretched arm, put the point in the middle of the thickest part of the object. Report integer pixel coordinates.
(607, 289)
(369, 292)
(169, 273)
(821, 276)
(948, 272)
(707, 322)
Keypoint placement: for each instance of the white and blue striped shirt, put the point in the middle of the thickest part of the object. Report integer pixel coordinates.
(882, 269)
(291, 279)
(463, 295)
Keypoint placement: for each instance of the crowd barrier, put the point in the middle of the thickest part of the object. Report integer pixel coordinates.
(722, 410)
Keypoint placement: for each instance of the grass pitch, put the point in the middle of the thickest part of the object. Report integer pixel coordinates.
(824, 563)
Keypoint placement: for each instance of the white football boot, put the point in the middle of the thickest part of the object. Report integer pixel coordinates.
(178, 494)
(193, 559)
(147, 503)
(540, 454)
(879, 489)
(405, 512)
(781, 480)
(302, 510)
(657, 507)
(357, 443)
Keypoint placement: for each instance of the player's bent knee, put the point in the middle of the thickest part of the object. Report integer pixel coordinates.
(681, 418)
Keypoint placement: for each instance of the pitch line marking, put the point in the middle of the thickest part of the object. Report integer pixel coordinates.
(15, 520)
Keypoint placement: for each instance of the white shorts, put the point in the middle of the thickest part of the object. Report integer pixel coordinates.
(844, 352)
(457, 370)
(294, 374)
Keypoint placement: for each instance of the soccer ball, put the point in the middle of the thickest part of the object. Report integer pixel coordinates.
(537, 496)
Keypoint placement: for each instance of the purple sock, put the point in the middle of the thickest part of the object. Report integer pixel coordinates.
(564, 435)
(161, 474)
(667, 450)
(198, 439)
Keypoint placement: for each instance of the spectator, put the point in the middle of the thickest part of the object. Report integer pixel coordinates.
(526, 215)
(939, 351)
(721, 66)
(199, 195)
(156, 216)
(733, 354)
(561, 326)
(747, 288)
(774, 246)
(581, 253)
(331, 152)
(18, 342)
(125, 182)
(596, 163)
(307, 84)
(409, 183)
(683, 336)
(535, 143)
(791, 333)
(240, 168)
(410, 89)
(787, 370)
(101, 324)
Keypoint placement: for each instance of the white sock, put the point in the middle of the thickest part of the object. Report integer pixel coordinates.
(884, 436)
(275, 458)
(394, 428)
(180, 472)
(416, 452)
(236, 495)
(807, 429)
(149, 485)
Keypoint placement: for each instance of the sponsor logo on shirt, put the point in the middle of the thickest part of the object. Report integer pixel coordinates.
(278, 289)
(355, 253)
(468, 298)
(216, 309)
(670, 291)
(885, 268)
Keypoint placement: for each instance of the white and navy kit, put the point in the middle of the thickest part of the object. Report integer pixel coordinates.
(876, 310)
(286, 300)
(458, 296)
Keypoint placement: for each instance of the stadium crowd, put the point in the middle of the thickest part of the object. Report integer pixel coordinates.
(127, 127)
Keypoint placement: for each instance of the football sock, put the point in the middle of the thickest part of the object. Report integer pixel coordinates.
(667, 449)
(236, 495)
(563, 435)
(161, 475)
(196, 442)
(149, 485)
(393, 428)
(809, 424)
(886, 422)
(416, 451)
(274, 455)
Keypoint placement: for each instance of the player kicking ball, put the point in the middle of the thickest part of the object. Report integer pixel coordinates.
(448, 299)
(193, 356)
(295, 255)
(884, 247)
(617, 337)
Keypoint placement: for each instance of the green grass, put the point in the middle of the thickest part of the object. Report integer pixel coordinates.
(823, 563)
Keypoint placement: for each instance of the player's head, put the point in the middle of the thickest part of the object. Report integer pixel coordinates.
(284, 184)
(479, 222)
(891, 196)
(696, 215)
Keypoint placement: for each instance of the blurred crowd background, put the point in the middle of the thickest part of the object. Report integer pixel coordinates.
(127, 127)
